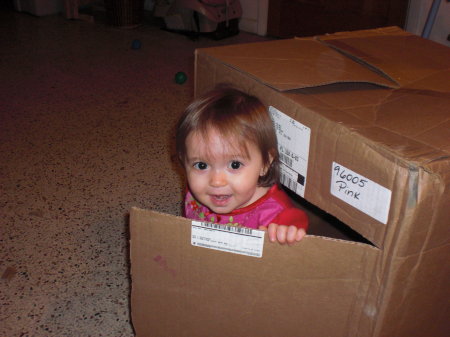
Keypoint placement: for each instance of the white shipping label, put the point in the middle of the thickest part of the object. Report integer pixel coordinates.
(293, 145)
(360, 192)
(238, 240)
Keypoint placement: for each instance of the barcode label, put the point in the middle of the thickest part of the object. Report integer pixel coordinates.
(288, 182)
(236, 229)
(238, 240)
(291, 179)
(285, 159)
(293, 146)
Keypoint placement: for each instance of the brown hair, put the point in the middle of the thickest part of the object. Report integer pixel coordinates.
(235, 115)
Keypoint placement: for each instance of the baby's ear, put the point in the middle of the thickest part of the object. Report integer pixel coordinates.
(263, 171)
(266, 168)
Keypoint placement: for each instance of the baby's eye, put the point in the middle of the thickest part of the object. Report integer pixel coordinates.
(235, 165)
(201, 166)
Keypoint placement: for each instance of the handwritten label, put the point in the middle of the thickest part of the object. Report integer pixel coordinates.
(293, 146)
(360, 192)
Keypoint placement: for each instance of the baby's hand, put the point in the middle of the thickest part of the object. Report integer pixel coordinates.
(284, 233)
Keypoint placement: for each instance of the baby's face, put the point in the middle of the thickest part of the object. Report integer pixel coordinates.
(221, 175)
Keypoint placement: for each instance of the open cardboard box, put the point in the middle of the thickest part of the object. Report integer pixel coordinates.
(372, 114)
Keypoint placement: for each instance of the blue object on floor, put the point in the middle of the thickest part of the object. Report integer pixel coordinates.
(136, 44)
(180, 77)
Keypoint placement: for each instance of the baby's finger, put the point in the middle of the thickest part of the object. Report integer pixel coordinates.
(300, 234)
(282, 233)
(291, 234)
(272, 230)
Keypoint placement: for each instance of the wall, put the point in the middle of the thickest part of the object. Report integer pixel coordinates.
(417, 16)
(254, 16)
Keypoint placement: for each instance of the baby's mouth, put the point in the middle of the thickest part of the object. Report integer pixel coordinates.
(221, 196)
(220, 199)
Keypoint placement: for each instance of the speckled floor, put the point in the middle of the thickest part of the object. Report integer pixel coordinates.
(85, 133)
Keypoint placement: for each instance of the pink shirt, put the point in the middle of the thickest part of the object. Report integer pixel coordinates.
(274, 207)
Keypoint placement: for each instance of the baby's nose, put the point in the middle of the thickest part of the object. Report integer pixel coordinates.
(218, 178)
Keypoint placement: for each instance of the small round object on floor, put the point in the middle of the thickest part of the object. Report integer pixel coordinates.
(180, 77)
(136, 44)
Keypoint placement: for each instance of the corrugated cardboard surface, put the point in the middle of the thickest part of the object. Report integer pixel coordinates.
(395, 127)
(396, 133)
(378, 103)
(182, 290)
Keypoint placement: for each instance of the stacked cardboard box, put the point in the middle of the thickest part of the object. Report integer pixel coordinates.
(364, 131)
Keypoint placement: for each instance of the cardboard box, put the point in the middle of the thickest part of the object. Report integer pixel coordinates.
(372, 148)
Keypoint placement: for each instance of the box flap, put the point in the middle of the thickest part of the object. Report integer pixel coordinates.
(182, 290)
(398, 54)
(297, 63)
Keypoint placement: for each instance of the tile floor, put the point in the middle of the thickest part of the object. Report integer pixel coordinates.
(86, 128)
